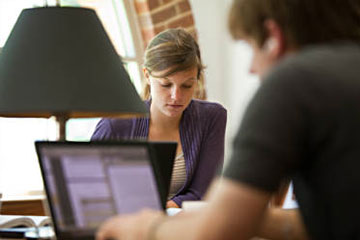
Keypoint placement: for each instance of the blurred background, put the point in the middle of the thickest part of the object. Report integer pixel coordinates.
(130, 25)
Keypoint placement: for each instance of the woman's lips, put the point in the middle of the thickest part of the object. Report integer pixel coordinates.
(176, 106)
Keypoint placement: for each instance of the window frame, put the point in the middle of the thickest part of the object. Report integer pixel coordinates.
(136, 36)
(137, 41)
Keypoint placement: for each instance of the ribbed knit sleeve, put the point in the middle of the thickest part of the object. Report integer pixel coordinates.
(202, 134)
(117, 128)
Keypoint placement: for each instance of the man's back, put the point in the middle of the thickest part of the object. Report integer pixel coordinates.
(327, 185)
(304, 123)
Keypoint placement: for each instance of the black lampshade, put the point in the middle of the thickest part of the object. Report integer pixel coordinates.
(59, 61)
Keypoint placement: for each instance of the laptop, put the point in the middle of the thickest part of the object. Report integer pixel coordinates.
(88, 182)
(165, 153)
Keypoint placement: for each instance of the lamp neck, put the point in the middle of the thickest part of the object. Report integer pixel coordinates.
(61, 122)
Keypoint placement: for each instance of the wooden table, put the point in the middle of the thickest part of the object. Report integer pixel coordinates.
(23, 205)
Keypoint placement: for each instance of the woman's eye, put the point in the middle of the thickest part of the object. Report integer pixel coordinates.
(187, 86)
(166, 85)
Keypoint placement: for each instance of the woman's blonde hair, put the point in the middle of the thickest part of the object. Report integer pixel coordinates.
(174, 50)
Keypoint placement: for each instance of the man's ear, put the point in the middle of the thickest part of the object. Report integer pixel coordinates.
(270, 44)
(275, 43)
(146, 75)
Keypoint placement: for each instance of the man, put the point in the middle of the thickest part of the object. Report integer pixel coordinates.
(303, 123)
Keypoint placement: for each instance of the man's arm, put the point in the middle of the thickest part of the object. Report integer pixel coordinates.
(238, 211)
(283, 224)
(235, 211)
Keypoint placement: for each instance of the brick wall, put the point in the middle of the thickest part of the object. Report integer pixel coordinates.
(157, 15)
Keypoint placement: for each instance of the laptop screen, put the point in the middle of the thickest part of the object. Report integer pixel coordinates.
(87, 183)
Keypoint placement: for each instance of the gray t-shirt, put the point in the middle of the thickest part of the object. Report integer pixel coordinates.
(304, 124)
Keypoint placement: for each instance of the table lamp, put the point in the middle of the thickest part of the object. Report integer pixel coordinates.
(58, 61)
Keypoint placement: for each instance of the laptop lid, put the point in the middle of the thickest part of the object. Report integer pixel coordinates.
(164, 153)
(88, 182)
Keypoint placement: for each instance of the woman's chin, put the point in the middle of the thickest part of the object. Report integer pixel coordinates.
(173, 114)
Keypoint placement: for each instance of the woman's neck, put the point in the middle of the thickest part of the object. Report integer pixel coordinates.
(164, 128)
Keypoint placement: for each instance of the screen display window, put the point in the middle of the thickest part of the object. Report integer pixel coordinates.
(89, 184)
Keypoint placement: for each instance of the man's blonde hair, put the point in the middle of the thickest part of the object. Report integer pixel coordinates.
(303, 22)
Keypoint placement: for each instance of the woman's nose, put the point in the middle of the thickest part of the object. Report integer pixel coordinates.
(175, 93)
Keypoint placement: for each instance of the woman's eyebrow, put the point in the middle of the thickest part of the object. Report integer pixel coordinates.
(191, 79)
(169, 80)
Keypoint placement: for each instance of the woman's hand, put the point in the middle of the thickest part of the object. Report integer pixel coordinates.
(171, 204)
(129, 227)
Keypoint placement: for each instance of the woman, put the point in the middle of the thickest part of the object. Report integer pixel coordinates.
(172, 68)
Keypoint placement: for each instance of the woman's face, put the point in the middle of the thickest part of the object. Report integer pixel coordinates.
(172, 94)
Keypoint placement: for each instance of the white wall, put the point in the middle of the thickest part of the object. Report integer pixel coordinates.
(227, 79)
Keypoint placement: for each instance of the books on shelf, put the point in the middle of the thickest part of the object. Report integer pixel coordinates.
(11, 221)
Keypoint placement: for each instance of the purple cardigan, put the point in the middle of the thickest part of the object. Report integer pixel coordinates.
(202, 133)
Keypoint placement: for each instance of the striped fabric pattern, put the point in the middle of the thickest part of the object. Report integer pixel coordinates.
(178, 177)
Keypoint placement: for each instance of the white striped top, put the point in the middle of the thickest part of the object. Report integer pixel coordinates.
(178, 177)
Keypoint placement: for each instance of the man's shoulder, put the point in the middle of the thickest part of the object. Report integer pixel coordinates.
(321, 56)
(317, 65)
